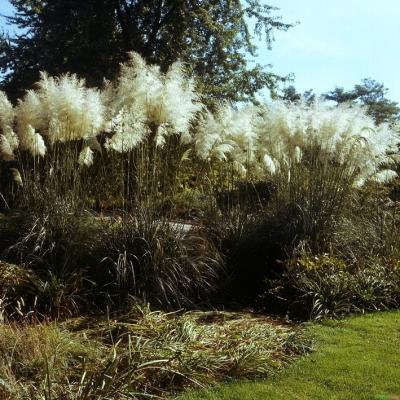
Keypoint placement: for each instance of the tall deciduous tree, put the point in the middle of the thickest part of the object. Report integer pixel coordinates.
(92, 37)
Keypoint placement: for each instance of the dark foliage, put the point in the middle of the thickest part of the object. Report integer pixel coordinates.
(92, 37)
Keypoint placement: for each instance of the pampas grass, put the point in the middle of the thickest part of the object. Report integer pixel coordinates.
(151, 123)
(61, 109)
(146, 102)
(8, 139)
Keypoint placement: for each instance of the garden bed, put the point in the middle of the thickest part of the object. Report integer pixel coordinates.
(141, 354)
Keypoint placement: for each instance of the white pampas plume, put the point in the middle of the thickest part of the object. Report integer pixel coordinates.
(384, 176)
(269, 164)
(29, 112)
(180, 101)
(6, 111)
(16, 176)
(33, 141)
(6, 150)
(162, 132)
(11, 137)
(8, 139)
(86, 157)
(62, 109)
(298, 154)
(129, 130)
(210, 139)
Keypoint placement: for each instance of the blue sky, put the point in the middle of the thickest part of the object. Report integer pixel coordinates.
(337, 43)
(5, 9)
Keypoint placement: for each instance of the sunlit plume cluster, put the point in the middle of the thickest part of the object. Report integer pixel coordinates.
(275, 136)
(145, 101)
(145, 104)
(59, 110)
(345, 135)
(8, 139)
(228, 135)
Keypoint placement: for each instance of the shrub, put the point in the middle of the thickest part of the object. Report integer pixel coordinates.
(325, 286)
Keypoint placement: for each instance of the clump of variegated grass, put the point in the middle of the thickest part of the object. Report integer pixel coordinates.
(142, 354)
(212, 346)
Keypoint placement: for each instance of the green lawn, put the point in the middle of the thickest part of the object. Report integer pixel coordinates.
(358, 358)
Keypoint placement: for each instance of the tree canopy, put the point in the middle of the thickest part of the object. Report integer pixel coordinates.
(369, 94)
(91, 38)
(291, 95)
(372, 95)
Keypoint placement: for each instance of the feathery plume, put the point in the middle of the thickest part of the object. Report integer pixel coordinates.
(270, 164)
(385, 176)
(62, 108)
(143, 96)
(16, 176)
(6, 111)
(33, 141)
(6, 150)
(86, 157)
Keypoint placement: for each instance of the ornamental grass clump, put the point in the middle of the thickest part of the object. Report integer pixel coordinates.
(56, 125)
(48, 254)
(320, 157)
(150, 117)
(314, 159)
(156, 261)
